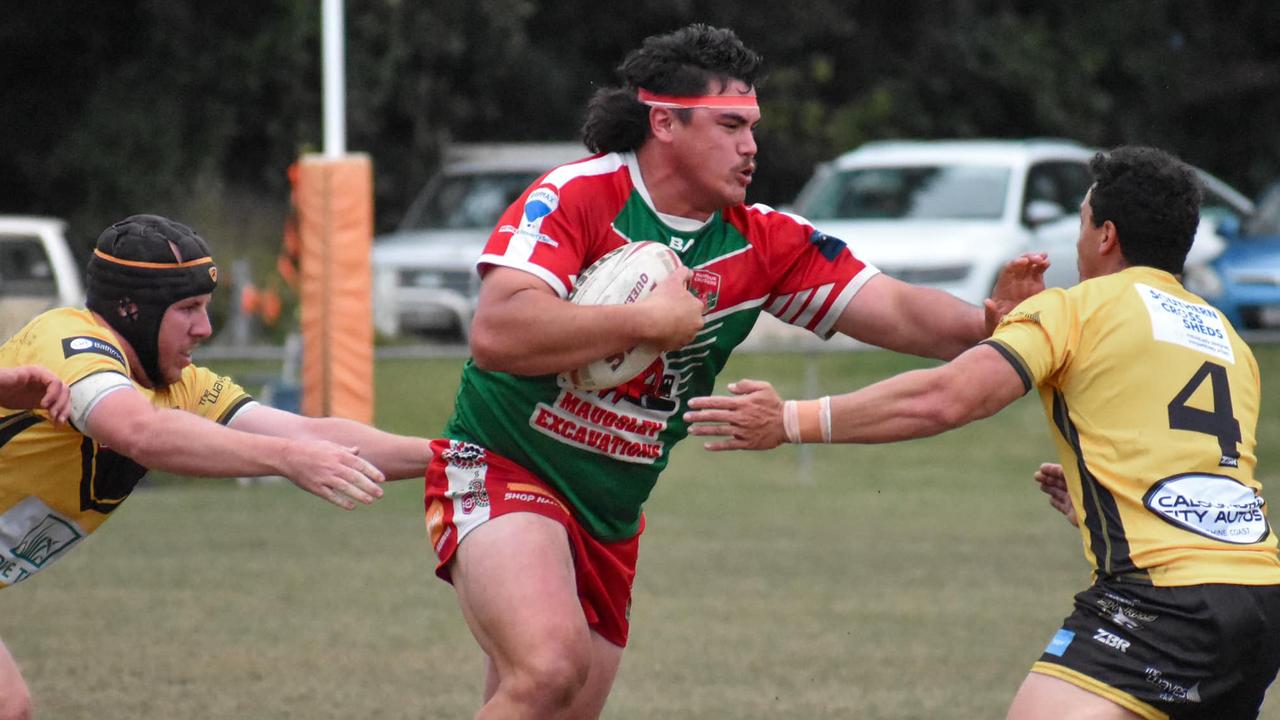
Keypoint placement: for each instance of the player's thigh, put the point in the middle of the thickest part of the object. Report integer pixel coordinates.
(1042, 697)
(516, 586)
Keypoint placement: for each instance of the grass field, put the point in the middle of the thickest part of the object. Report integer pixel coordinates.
(914, 580)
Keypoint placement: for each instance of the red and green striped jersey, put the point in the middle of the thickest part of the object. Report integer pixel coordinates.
(603, 450)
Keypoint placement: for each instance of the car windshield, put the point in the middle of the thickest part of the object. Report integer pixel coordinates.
(466, 201)
(1266, 219)
(945, 192)
(24, 268)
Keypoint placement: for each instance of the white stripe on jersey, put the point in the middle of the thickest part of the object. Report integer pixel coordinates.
(602, 165)
(815, 304)
(826, 327)
(797, 305)
(540, 272)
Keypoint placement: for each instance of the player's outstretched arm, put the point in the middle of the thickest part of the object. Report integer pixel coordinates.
(922, 321)
(522, 327)
(915, 404)
(397, 456)
(28, 387)
(181, 442)
(1053, 482)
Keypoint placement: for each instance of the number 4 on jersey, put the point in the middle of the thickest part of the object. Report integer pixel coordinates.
(1220, 423)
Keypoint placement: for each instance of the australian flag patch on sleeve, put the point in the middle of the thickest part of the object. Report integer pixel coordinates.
(830, 247)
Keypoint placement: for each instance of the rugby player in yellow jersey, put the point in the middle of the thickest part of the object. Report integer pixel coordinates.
(1152, 399)
(137, 402)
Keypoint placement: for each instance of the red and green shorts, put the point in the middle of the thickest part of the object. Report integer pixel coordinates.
(468, 485)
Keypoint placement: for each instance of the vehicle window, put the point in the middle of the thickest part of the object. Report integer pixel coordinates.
(1062, 183)
(24, 267)
(466, 201)
(1266, 217)
(959, 192)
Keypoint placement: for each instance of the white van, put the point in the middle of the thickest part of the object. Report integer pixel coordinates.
(424, 277)
(37, 270)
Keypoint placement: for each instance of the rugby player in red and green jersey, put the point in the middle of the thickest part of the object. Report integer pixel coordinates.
(534, 497)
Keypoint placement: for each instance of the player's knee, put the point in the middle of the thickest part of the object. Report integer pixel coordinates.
(550, 681)
(15, 702)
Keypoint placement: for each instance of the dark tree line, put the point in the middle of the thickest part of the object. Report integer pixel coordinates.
(198, 108)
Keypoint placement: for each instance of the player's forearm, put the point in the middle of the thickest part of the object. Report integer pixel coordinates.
(912, 405)
(537, 334)
(398, 456)
(945, 325)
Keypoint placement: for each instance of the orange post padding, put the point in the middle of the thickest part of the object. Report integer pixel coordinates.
(335, 217)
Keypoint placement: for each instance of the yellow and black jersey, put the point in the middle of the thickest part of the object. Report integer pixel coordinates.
(57, 485)
(1153, 402)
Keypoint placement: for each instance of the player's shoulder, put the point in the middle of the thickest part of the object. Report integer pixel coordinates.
(761, 215)
(66, 332)
(589, 182)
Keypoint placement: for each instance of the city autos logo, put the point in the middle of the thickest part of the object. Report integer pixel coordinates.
(1215, 506)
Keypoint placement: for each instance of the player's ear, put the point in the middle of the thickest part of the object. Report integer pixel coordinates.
(1110, 241)
(661, 123)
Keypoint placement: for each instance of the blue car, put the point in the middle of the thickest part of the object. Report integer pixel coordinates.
(1244, 280)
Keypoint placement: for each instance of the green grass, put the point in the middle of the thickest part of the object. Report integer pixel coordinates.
(914, 580)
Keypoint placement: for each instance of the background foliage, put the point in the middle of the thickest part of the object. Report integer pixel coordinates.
(196, 109)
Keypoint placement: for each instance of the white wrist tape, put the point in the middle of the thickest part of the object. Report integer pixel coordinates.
(791, 421)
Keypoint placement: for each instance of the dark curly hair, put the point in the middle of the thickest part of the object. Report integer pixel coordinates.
(682, 62)
(1152, 198)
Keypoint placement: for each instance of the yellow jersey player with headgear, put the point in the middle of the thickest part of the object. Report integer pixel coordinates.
(138, 402)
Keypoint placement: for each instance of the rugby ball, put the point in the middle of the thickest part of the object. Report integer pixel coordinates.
(621, 276)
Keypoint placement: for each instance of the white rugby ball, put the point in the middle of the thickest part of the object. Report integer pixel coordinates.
(621, 276)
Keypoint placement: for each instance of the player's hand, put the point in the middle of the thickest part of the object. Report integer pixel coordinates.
(1053, 482)
(751, 418)
(1019, 279)
(673, 315)
(29, 387)
(333, 473)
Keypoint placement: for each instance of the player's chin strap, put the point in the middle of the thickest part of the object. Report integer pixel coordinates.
(807, 420)
(720, 102)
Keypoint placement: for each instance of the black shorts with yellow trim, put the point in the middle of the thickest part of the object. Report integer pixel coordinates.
(1201, 652)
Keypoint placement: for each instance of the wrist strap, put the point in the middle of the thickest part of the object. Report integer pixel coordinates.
(807, 421)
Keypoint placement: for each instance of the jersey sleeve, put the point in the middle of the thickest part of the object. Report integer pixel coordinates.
(815, 275)
(555, 228)
(209, 395)
(73, 350)
(1038, 336)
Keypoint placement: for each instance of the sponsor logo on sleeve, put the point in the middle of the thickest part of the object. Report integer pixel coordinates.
(541, 202)
(82, 344)
(1191, 325)
(1021, 316)
(1214, 506)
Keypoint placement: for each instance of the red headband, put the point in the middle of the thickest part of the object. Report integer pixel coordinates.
(696, 101)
